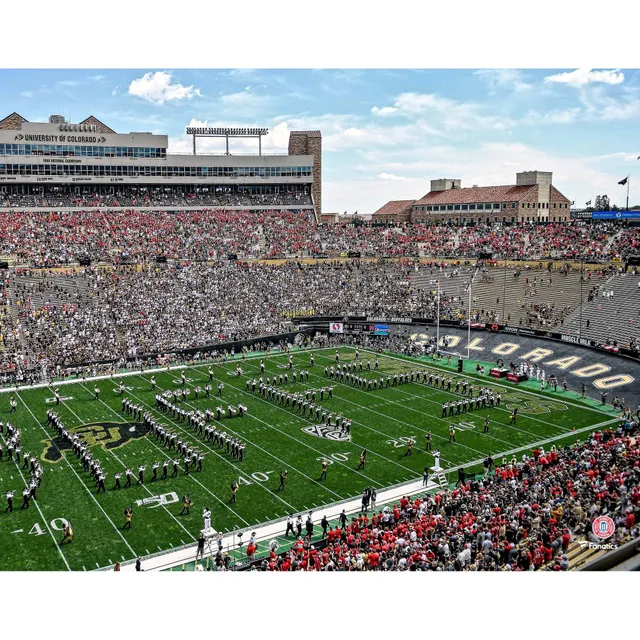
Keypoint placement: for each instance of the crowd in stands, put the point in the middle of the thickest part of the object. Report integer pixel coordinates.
(61, 237)
(157, 198)
(523, 515)
(96, 314)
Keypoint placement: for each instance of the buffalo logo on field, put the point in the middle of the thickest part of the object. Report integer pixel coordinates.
(110, 435)
(324, 431)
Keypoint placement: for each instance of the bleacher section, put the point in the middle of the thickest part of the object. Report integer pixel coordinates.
(613, 313)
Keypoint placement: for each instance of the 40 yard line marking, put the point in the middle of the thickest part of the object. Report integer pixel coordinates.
(106, 515)
(46, 524)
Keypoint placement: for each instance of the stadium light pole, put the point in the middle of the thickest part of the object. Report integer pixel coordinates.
(581, 299)
(469, 313)
(504, 291)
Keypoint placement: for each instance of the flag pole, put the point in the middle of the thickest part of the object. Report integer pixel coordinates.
(628, 181)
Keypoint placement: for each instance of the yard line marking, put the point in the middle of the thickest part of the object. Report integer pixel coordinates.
(120, 461)
(110, 561)
(171, 545)
(124, 558)
(379, 455)
(384, 415)
(46, 524)
(489, 381)
(18, 531)
(159, 547)
(226, 428)
(148, 552)
(497, 384)
(435, 417)
(81, 482)
(304, 444)
(166, 455)
(183, 542)
(97, 565)
(84, 568)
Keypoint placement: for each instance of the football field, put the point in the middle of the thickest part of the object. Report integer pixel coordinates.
(277, 438)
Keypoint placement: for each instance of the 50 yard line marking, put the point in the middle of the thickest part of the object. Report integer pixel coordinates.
(204, 443)
(125, 466)
(166, 455)
(299, 419)
(308, 446)
(106, 515)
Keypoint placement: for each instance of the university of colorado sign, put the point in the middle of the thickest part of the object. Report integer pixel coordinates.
(59, 139)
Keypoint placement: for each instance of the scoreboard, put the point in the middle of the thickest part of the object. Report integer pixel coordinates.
(368, 328)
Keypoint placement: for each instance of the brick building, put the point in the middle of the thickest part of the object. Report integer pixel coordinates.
(532, 199)
(309, 143)
(395, 211)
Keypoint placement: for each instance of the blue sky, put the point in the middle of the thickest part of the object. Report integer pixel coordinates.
(386, 133)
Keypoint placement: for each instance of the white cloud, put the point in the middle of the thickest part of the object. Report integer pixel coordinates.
(383, 111)
(390, 176)
(98, 78)
(160, 87)
(28, 94)
(115, 90)
(497, 78)
(248, 103)
(241, 72)
(583, 77)
(443, 115)
(555, 116)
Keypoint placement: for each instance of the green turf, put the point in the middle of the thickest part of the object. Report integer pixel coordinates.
(381, 421)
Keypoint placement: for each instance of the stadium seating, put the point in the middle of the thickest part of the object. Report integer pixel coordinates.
(529, 514)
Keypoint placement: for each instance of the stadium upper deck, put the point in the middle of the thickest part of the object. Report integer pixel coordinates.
(48, 165)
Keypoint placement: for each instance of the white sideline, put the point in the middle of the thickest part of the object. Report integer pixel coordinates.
(274, 529)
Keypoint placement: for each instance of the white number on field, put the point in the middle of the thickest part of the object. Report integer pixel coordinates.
(258, 476)
(336, 457)
(401, 442)
(59, 524)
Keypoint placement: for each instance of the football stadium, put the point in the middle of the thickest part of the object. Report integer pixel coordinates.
(204, 371)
